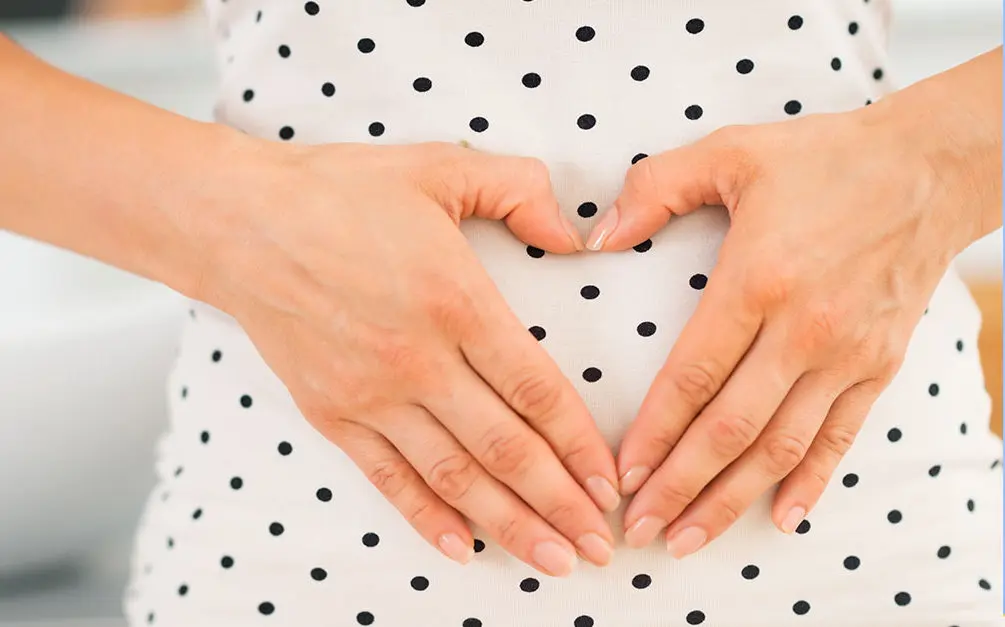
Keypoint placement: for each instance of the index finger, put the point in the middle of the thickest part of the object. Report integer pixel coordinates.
(713, 341)
(509, 359)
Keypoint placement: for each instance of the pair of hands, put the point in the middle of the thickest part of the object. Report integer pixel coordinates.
(357, 288)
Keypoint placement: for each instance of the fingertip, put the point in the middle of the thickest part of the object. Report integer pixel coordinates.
(604, 493)
(456, 548)
(791, 519)
(633, 479)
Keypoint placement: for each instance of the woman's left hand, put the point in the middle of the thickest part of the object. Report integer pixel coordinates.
(841, 228)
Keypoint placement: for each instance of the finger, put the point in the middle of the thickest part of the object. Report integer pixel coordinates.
(517, 456)
(441, 525)
(711, 344)
(510, 360)
(802, 488)
(453, 474)
(780, 448)
(678, 181)
(725, 429)
(516, 190)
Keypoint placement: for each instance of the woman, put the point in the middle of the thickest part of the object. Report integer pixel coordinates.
(352, 352)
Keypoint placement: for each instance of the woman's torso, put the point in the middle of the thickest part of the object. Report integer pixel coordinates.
(587, 86)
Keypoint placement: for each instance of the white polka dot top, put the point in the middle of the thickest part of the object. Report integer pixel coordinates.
(258, 520)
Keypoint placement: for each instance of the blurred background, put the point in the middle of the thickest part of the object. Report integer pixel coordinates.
(85, 349)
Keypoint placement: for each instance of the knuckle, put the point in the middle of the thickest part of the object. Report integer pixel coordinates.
(673, 497)
(732, 434)
(506, 454)
(837, 439)
(823, 325)
(730, 507)
(536, 172)
(782, 453)
(696, 382)
(562, 515)
(391, 477)
(417, 514)
(577, 448)
(771, 283)
(453, 476)
(533, 393)
(507, 531)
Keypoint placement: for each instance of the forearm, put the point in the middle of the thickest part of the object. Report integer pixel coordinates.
(105, 175)
(953, 120)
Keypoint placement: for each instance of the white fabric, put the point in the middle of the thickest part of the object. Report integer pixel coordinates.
(200, 532)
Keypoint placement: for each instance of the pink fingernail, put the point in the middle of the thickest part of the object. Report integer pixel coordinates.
(554, 559)
(644, 531)
(603, 229)
(595, 548)
(603, 493)
(792, 519)
(455, 548)
(632, 480)
(571, 231)
(686, 542)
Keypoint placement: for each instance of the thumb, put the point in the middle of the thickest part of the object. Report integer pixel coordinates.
(518, 191)
(674, 182)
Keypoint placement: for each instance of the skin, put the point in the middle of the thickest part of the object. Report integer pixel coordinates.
(842, 225)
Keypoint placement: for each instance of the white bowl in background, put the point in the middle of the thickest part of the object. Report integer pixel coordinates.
(84, 353)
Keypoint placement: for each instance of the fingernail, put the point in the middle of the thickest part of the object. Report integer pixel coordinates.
(603, 229)
(644, 531)
(686, 542)
(455, 548)
(594, 548)
(554, 559)
(603, 493)
(571, 231)
(632, 480)
(792, 519)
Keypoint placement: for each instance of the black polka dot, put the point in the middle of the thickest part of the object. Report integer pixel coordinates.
(184, 392)
(328, 89)
(698, 281)
(835, 64)
(639, 157)
(894, 516)
(286, 133)
(312, 8)
(236, 483)
(197, 514)
(538, 333)
(419, 583)
(583, 621)
(284, 51)
(531, 80)
(902, 598)
(586, 121)
(943, 552)
(878, 74)
(258, 17)
(245, 401)
(416, 3)
(170, 543)
(376, 129)
(984, 584)
(150, 617)
(364, 618)
(471, 622)
(178, 470)
(850, 480)
(693, 112)
(852, 562)
(587, 210)
(227, 561)
(963, 428)
(695, 25)
(204, 437)
(804, 527)
(852, 28)
(370, 539)
(695, 617)
(793, 107)
(646, 329)
(248, 95)
(750, 571)
(642, 581)
(535, 252)
(959, 345)
(744, 66)
(592, 375)
(366, 45)
(971, 506)
(934, 470)
(640, 73)
(182, 590)
(796, 22)
(323, 494)
(319, 574)
(284, 448)
(530, 584)
(266, 608)
(479, 124)
(894, 435)
(585, 33)
(643, 247)
(479, 546)
(801, 608)
(589, 292)
(474, 39)
(276, 529)
(933, 389)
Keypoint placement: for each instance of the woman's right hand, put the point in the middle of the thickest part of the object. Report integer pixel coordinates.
(347, 270)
